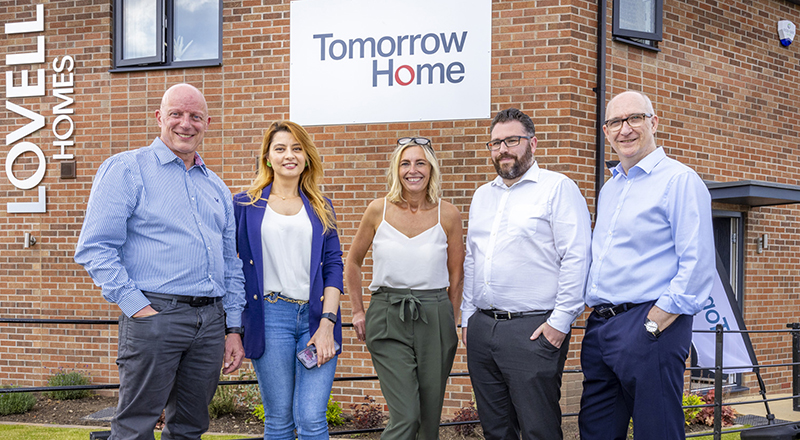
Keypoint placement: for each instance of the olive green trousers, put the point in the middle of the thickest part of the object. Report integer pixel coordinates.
(411, 335)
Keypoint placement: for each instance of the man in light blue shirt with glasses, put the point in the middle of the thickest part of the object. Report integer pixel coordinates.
(652, 268)
(159, 239)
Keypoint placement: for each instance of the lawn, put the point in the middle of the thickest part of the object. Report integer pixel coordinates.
(31, 432)
(731, 436)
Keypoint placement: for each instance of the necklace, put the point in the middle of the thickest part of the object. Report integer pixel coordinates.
(282, 197)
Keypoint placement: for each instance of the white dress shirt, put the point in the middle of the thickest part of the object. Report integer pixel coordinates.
(528, 248)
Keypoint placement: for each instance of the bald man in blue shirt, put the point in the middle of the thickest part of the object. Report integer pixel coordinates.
(652, 269)
(159, 239)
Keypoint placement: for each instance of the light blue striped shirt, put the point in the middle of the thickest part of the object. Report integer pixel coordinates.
(653, 239)
(153, 225)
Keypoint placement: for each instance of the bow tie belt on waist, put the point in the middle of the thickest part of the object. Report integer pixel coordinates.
(413, 299)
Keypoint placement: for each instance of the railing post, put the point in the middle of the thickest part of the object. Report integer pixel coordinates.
(718, 384)
(795, 368)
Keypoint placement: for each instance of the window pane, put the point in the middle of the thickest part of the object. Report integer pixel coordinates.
(637, 15)
(196, 35)
(140, 25)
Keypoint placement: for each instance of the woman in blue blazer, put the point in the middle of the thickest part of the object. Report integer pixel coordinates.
(288, 244)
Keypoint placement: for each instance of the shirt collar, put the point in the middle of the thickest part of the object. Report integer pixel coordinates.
(531, 175)
(165, 156)
(646, 164)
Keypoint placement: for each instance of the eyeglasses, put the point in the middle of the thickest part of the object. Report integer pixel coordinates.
(511, 141)
(633, 121)
(425, 142)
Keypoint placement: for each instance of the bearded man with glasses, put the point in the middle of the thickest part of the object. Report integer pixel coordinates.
(524, 274)
(652, 269)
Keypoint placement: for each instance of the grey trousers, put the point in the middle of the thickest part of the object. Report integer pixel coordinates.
(517, 382)
(170, 360)
(411, 335)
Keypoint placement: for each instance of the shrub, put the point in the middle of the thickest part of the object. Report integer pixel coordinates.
(691, 413)
(16, 403)
(706, 415)
(334, 413)
(465, 414)
(223, 402)
(229, 398)
(368, 415)
(64, 378)
(258, 412)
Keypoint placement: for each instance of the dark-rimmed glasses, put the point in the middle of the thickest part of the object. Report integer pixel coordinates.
(511, 141)
(634, 120)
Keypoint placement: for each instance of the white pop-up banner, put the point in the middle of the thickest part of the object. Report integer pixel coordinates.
(721, 308)
(365, 61)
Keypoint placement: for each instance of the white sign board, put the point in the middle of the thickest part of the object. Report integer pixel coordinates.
(365, 61)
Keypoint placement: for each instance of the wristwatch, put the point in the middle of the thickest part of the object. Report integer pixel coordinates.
(238, 330)
(330, 316)
(652, 327)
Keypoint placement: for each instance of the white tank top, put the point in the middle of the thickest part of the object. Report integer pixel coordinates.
(419, 262)
(286, 250)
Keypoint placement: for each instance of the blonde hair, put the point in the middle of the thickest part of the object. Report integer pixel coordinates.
(310, 179)
(395, 194)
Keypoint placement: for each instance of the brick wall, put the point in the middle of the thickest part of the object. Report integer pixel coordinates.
(725, 90)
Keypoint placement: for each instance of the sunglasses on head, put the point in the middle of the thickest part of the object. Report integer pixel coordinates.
(425, 142)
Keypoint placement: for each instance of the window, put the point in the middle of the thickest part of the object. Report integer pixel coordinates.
(165, 34)
(638, 22)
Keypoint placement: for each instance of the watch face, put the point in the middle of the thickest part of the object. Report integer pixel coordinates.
(651, 326)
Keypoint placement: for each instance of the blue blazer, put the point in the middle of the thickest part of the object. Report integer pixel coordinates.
(327, 269)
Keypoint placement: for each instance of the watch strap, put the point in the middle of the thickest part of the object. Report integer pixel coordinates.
(330, 316)
(238, 330)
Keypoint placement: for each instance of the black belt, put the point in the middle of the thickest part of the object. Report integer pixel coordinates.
(609, 310)
(194, 301)
(502, 315)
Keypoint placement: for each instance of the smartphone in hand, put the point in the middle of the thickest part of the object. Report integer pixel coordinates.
(308, 355)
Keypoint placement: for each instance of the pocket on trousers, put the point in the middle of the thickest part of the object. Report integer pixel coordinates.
(545, 344)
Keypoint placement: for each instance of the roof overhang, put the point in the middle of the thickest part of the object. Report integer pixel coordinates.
(754, 193)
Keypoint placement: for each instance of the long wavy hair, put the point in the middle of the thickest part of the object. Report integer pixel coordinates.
(395, 194)
(310, 178)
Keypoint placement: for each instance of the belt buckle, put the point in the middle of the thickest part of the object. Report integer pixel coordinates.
(198, 301)
(501, 316)
(607, 312)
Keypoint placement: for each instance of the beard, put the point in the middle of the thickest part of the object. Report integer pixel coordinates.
(520, 166)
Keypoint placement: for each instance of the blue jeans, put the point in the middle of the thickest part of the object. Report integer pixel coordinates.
(293, 397)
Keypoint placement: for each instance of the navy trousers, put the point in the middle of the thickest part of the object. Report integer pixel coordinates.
(628, 372)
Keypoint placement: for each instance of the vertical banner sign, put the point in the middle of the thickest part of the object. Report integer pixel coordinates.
(721, 308)
(365, 61)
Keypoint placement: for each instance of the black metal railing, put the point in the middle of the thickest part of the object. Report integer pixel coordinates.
(793, 330)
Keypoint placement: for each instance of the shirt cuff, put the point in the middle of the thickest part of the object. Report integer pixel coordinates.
(465, 315)
(133, 303)
(233, 319)
(561, 321)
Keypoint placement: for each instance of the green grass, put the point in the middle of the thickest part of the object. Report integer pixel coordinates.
(31, 432)
(731, 436)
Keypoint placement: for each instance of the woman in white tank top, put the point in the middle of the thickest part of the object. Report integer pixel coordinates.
(417, 276)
